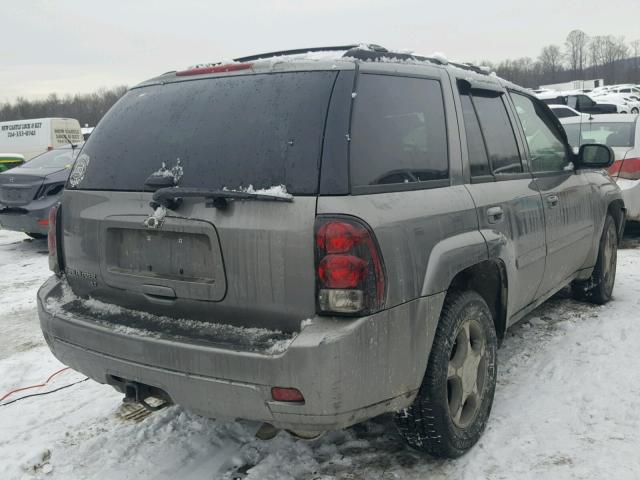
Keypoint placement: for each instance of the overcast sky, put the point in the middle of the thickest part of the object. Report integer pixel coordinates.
(70, 46)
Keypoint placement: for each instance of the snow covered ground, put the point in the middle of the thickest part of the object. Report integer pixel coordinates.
(567, 406)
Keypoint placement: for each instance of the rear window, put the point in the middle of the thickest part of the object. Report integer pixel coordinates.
(614, 134)
(398, 133)
(564, 112)
(59, 158)
(260, 130)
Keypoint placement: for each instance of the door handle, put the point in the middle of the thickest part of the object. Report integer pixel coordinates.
(495, 214)
(552, 200)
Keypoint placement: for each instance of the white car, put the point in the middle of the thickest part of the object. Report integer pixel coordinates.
(564, 111)
(622, 134)
(628, 100)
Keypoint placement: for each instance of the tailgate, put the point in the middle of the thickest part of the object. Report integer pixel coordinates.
(249, 265)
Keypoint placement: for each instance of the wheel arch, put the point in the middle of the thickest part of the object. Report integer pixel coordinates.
(463, 262)
(617, 210)
(489, 279)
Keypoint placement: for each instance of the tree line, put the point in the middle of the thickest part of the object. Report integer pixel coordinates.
(582, 57)
(87, 108)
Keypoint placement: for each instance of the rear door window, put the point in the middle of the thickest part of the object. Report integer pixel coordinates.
(498, 132)
(232, 131)
(398, 132)
(478, 159)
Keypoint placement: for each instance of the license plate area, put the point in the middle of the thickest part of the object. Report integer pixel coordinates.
(14, 194)
(177, 256)
(183, 255)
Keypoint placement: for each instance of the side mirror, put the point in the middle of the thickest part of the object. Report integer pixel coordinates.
(595, 155)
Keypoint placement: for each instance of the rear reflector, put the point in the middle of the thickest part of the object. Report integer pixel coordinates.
(44, 221)
(630, 169)
(281, 394)
(229, 67)
(52, 241)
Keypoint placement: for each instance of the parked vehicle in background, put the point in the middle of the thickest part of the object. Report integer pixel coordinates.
(581, 102)
(28, 192)
(622, 134)
(30, 138)
(10, 160)
(314, 241)
(563, 111)
(629, 102)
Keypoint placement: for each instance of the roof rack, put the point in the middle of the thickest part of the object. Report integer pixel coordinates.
(298, 51)
(366, 52)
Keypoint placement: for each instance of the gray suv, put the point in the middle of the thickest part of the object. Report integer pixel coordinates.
(313, 240)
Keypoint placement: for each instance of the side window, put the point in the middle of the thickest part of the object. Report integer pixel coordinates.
(478, 159)
(498, 132)
(398, 131)
(546, 144)
(572, 101)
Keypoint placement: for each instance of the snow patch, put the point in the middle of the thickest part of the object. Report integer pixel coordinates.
(174, 172)
(279, 191)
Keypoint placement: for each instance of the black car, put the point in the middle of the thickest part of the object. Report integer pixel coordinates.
(28, 192)
(582, 103)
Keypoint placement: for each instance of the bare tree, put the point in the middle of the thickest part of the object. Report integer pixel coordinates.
(635, 48)
(576, 47)
(551, 61)
(87, 108)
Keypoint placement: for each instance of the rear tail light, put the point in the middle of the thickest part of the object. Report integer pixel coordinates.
(282, 394)
(229, 67)
(630, 169)
(52, 240)
(350, 275)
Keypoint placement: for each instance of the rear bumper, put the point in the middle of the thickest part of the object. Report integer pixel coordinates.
(347, 370)
(630, 190)
(25, 218)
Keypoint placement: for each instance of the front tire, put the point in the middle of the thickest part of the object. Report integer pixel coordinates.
(598, 288)
(453, 404)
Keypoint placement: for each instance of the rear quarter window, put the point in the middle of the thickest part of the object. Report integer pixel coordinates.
(398, 133)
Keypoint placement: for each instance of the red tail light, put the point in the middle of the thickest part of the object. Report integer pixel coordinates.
(630, 169)
(52, 240)
(281, 394)
(229, 67)
(349, 271)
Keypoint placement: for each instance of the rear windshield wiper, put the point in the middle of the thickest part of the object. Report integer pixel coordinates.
(171, 197)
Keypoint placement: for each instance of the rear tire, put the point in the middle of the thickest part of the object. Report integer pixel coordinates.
(36, 236)
(598, 288)
(453, 404)
(635, 110)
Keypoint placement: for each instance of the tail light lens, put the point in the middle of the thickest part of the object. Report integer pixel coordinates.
(350, 275)
(52, 240)
(630, 169)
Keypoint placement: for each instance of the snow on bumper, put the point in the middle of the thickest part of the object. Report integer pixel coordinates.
(347, 369)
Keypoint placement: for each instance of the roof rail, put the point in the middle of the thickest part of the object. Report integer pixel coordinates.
(297, 51)
(376, 52)
(470, 66)
(371, 52)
